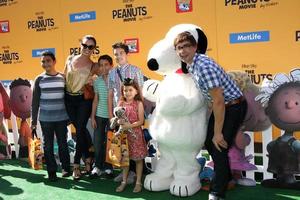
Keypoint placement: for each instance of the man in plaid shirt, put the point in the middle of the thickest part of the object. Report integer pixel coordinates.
(227, 103)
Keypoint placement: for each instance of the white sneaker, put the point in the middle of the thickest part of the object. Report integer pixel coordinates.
(213, 197)
(131, 177)
(96, 172)
(119, 178)
(108, 171)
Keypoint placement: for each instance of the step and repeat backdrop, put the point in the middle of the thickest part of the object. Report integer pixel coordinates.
(261, 37)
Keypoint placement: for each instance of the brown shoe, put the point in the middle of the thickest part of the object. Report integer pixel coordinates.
(76, 172)
(88, 166)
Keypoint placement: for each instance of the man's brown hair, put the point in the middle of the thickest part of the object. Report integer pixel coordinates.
(185, 36)
(122, 46)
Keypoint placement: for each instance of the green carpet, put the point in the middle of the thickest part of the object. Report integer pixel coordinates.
(18, 182)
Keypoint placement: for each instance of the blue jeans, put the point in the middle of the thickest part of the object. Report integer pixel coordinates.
(100, 137)
(60, 130)
(79, 111)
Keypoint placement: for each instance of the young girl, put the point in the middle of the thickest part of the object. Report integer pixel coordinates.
(132, 101)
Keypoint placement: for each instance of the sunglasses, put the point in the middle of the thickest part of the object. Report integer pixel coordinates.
(85, 46)
(185, 46)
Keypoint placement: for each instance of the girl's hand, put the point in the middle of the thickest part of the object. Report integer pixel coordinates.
(126, 126)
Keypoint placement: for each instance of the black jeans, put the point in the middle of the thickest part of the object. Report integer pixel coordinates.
(79, 111)
(234, 116)
(60, 130)
(100, 137)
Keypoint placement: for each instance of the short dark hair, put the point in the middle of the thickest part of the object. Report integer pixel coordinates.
(18, 82)
(185, 36)
(50, 54)
(106, 57)
(122, 46)
(90, 37)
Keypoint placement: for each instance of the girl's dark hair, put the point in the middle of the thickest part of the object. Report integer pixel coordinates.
(133, 83)
(89, 37)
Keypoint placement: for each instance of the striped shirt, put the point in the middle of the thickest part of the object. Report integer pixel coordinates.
(48, 99)
(207, 74)
(126, 71)
(101, 90)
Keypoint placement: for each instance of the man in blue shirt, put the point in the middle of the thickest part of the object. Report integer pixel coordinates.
(227, 104)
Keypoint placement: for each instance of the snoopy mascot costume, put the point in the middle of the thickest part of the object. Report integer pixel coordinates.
(179, 121)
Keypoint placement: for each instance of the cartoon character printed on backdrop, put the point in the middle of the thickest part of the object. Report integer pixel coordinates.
(255, 120)
(281, 99)
(20, 103)
(179, 120)
(184, 5)
(5, 113)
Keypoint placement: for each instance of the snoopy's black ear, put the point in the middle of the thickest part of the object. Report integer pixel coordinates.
(153, 64)
(184, 68)
(202, 42)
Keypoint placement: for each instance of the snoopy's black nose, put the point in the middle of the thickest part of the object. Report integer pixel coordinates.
(152, 64)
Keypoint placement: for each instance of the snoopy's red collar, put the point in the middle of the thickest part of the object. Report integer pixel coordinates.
(179, 71)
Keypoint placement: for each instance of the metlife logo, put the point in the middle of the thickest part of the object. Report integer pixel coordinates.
(246, 37)
(38, 52)
(83, 16)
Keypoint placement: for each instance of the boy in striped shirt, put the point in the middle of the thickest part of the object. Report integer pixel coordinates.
(49, 106)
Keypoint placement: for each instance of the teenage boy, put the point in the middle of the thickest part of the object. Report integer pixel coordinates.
(115, 78)
(100, 118)
(49, 106)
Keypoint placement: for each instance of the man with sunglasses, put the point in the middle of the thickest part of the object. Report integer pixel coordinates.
(79, 70)
(227, 104)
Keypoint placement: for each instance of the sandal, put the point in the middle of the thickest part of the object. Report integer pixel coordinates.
(138, 188)
(76, 172)
(121, 187)
(88, 166)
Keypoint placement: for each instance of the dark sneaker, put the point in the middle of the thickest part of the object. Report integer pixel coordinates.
(52, 177)
(108, 174)
(65, 173)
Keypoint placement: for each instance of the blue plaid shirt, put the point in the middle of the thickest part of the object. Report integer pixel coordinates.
(207, 74)
(126, 71)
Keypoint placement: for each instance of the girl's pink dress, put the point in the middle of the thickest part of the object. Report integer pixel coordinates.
(136, 141)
